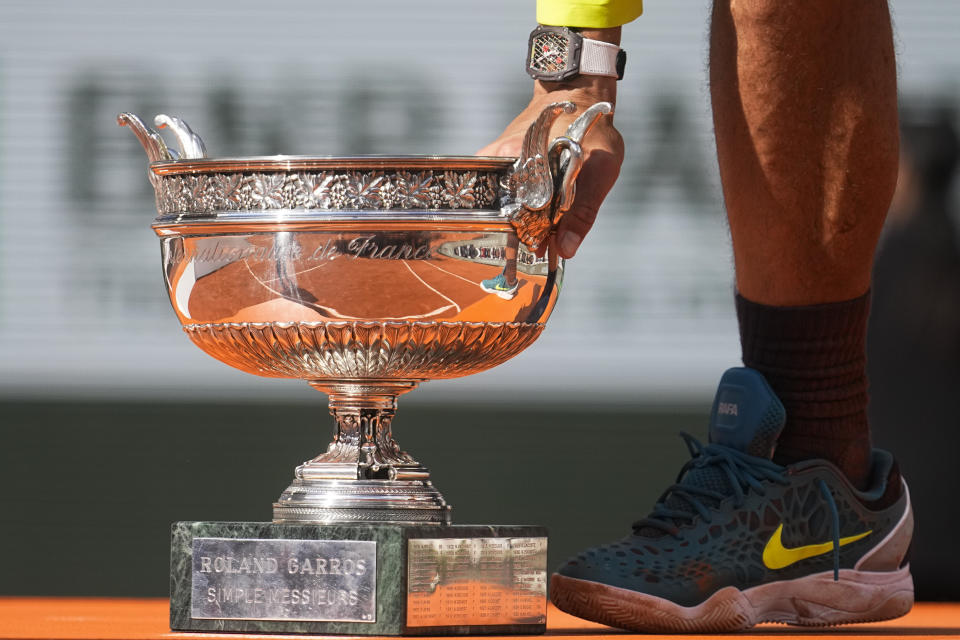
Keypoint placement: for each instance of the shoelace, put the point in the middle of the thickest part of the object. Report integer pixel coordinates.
(743, 472)
(835, 525)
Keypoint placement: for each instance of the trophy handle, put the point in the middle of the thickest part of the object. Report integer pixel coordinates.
(567, 154)
(542, 185)
(152, 141)
(191, 146)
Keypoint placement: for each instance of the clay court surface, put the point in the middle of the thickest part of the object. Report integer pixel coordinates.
(440, 288)
(136, 619)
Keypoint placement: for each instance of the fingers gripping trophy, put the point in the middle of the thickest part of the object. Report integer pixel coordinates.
(363, 276)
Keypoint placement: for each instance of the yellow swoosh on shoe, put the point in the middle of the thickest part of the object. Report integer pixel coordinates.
(777, 556)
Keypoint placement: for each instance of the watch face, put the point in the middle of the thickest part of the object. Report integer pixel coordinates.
(549, 52)
(552, 53)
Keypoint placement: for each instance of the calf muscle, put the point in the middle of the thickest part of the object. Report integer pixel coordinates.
(805, 113)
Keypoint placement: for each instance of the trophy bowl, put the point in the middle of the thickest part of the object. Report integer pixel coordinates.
(363, 276)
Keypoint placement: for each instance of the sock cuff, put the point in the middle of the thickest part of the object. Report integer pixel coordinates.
(845, 319)
(814, 358)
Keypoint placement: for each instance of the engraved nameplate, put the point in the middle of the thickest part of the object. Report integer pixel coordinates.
(476, 581)
(316, 580)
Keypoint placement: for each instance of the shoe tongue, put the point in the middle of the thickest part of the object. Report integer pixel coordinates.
(746, 415)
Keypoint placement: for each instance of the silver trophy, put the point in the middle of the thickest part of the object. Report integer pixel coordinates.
(363, 276)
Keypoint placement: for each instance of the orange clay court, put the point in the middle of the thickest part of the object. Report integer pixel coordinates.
(446, 290)
(146, 618)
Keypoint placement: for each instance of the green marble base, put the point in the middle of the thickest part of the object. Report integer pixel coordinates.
(425, 580)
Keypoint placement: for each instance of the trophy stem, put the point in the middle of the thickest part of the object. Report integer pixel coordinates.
(363, 476)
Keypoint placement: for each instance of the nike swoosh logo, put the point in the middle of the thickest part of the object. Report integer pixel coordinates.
(777, 556)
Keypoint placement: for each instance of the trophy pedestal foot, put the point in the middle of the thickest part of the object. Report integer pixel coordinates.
(363, 476)
(358, 579)
(325, 501)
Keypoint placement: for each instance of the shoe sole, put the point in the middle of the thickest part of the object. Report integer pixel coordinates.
(814, 600)
(506, 295)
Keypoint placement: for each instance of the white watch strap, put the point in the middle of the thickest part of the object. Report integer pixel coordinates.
(598, 58)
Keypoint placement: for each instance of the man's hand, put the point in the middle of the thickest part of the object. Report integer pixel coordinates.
(602, 146)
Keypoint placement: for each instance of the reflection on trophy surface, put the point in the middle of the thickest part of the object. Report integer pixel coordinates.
(363, 276)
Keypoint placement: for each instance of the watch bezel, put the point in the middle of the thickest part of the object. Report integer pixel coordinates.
(574, 46)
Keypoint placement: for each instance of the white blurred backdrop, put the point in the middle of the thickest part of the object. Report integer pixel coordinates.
(646, 313)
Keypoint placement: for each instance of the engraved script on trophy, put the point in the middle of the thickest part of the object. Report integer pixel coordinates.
(543, 180)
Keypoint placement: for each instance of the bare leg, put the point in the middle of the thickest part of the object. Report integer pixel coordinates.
(510, 254)
(804, 95)
(805, 112)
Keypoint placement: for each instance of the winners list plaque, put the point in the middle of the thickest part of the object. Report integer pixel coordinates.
(363, 276)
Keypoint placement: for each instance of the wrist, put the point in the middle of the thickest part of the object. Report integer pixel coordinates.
(560, 55)
(580, 89)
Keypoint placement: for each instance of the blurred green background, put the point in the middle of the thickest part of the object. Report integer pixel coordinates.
(89, 490)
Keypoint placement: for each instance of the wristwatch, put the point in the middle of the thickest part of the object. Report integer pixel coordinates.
(558, 53)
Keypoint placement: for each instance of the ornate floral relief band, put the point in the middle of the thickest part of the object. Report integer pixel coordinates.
(328, 190)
